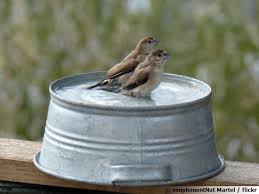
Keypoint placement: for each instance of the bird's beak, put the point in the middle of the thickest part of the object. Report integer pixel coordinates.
(167, 55)
(156, 42)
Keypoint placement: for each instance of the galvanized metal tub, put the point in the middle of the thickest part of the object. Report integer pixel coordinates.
(100, 137)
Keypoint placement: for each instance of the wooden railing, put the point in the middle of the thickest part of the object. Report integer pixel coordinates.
(16, 165)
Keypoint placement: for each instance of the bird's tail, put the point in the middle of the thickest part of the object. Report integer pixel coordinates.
(95, 85)
(101, 83)
(118, 90)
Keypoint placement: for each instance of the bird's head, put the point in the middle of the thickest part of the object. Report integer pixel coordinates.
(146, 44)
(158, 56)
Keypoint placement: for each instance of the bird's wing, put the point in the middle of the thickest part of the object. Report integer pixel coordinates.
(121, 69)
(132, 54)
(138, 78)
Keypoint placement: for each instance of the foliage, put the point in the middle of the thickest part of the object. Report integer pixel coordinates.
(215, 41)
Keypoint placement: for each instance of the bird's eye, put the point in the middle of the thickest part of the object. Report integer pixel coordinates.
(159, 55)
(149, 41)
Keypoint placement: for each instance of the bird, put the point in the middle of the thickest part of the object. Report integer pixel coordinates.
(128, 64)
(147, 76)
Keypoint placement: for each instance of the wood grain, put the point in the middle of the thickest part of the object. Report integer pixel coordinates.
(16, 165)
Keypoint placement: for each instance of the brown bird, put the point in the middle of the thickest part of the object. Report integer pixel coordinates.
(147, 76)
(129, 63)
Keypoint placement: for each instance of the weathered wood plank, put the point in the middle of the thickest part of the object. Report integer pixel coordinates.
(16, 165)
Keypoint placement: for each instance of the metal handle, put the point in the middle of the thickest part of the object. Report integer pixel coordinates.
(134, 174)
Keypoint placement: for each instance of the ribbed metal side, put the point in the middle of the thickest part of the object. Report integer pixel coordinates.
(129, 146)
(80, 143)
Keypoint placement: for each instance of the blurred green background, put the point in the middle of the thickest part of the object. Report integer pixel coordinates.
(215, 41)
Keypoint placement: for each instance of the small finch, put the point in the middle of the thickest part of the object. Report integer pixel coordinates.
(147, 76)
(128, 64)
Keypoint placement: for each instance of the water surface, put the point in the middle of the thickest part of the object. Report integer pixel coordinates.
(170, 92)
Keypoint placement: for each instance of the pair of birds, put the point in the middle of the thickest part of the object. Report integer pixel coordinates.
(139, 73)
